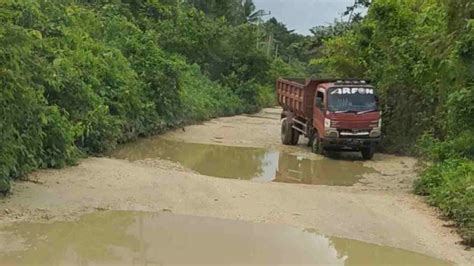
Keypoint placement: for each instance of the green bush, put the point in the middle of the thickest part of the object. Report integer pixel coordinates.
(58, 138)
(204, 99)
(460, 146)
(450, 186)
(266, 96)
(33, 134)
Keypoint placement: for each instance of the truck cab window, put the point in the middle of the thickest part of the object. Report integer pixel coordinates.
(320, 99)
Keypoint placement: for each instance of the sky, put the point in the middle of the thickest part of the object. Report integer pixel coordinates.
(302, 15)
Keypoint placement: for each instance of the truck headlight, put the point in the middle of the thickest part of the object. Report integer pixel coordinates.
(375, 133)
(327, 123)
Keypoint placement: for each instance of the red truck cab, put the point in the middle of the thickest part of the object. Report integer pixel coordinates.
(334, 114)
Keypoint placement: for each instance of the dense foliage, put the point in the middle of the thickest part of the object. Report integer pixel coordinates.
(79, 76)
(420, 55)
(450, 186)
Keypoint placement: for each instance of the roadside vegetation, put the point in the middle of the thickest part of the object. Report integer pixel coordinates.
(420, 55)
(78, 76)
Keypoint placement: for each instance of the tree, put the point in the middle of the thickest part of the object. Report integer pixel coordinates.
(353, 10)
(234, 11)
(285, 43)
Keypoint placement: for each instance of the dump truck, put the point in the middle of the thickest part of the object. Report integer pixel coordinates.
(334, 114)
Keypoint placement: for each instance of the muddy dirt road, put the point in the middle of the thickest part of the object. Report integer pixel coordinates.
(196, 171)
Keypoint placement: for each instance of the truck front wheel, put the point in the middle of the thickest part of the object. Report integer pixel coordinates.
(316, 145)
(368, 153)
(286, 132)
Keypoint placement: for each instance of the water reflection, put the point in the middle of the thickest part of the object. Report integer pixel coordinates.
(296, 169)
(246, 163)
(136, 238)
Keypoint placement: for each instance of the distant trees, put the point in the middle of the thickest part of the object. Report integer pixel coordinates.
(286, 43)
(235, 11)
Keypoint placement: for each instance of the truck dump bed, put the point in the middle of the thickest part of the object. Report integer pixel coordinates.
(293, 95)
(298, 95)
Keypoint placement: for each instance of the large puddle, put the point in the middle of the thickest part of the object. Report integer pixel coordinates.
(246, 163)
(138, 238)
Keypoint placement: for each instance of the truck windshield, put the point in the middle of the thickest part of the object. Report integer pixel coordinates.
(353, 99)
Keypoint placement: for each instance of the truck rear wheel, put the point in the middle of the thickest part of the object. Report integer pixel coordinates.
(286, 132)
(368, 153)
(295, 137)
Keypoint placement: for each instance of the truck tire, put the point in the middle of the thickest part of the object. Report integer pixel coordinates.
(311, 138)
(368, 153)
(286, 132)
(295, 137)
(316, 145)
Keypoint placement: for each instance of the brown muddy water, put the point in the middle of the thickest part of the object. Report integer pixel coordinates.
(140, 238)
(246, 163)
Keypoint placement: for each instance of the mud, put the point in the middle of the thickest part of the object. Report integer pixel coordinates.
(131, 238)
(257, 164)
(378, 209)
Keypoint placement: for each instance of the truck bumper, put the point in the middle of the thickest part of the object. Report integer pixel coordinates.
(349, 143)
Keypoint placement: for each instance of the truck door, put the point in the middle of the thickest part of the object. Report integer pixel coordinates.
(319, 111)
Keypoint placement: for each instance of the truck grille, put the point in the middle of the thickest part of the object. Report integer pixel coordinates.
(354, 133)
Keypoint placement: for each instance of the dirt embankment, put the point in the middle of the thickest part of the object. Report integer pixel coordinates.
(379, 209)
